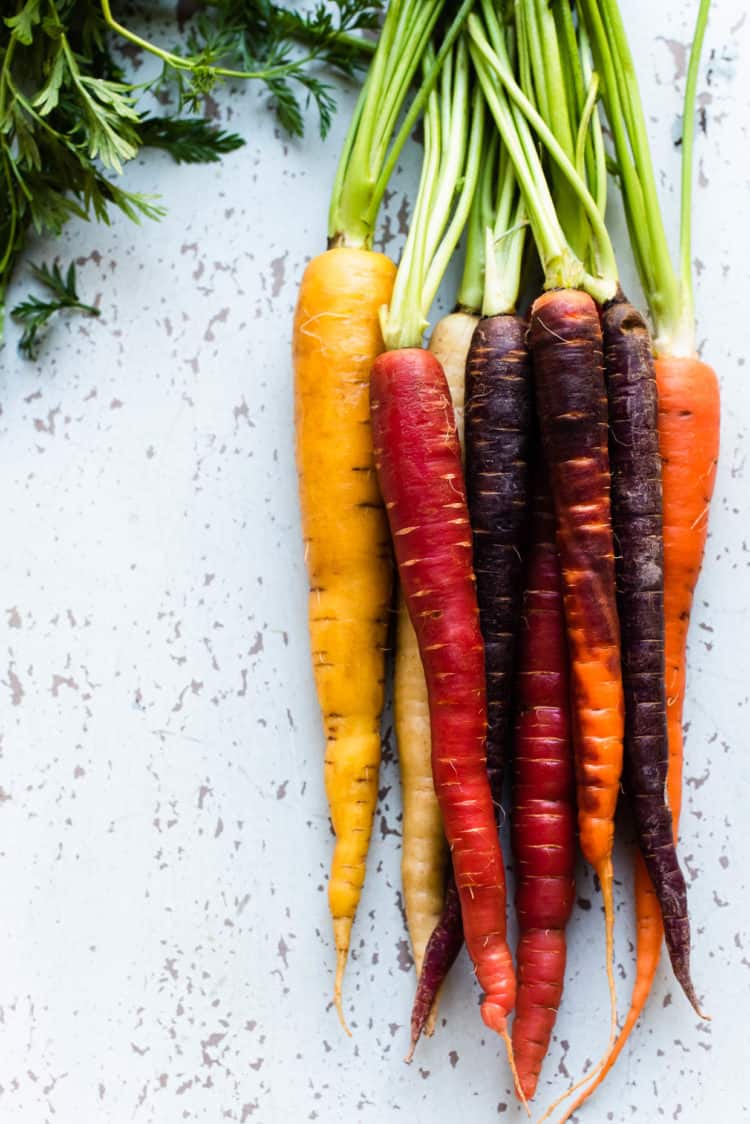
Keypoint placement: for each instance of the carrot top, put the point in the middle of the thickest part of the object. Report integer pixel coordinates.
(370, 150)
(669, 292)
(453, 133)
(520, 124)
(481, 216)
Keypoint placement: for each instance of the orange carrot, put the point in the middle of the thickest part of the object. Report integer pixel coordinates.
(689, 447)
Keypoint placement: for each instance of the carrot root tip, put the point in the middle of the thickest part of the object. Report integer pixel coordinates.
(512, 1063)
(341, 958)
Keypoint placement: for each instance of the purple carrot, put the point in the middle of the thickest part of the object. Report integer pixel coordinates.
(442, 949)
(639, 557)
(498, 423)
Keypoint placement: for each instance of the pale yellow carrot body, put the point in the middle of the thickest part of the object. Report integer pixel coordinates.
(347, 548)
(424, 853)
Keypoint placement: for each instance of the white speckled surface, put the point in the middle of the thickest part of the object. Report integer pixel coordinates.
(165, 946)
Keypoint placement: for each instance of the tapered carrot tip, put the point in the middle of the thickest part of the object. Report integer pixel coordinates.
(512, 1063)
(429, 1026)
(341, 957)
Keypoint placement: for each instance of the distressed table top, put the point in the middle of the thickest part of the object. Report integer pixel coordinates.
(165, 945)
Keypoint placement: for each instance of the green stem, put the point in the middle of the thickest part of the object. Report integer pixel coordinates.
(548, 233)
(557, 81)
(596, 153)
(584, 125)
(686, 332)
(635, 206)
(607, 266)
(415, 109)
(367, 164)
(663, 292)
(452, 157)
(471, 288)
(177, 62)
(449, 241)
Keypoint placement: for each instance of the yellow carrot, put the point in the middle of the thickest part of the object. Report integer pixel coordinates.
(347, 548)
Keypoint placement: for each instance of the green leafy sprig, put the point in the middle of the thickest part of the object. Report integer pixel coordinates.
(69, 122)
(34, 313)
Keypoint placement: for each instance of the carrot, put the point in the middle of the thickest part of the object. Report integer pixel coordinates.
(689, 447)
(346, 548)
(419, 468)
(498, 419)
(637, 521)
(444, 945)
(498, 423)
(418, 459)
(543, 819)
(424, 852)
(498, 375)
(688, 427)
(336, 337)
(566, 345)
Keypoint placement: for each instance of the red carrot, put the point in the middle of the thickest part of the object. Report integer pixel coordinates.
(566, 344)
(543, 819)
(418, 460)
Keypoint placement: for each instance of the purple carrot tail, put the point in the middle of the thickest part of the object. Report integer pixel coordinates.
(442, 949)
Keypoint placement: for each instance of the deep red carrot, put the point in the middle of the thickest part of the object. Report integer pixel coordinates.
(566, 344)
(637, 524)
(543, 818)
(418, 460)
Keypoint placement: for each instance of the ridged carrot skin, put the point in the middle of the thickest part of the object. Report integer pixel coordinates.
(566, 345)
(419, 468)
(347, 549)
(423, 848)
(543, 820)
(637, 524)
(689, 407)
(428, 902)
(498, 424)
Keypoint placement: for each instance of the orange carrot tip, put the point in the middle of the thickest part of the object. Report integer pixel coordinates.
(341, 958)
(512, 1063)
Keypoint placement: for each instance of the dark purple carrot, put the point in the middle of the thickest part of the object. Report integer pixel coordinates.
(442, 949)
(498, 421)
(639, 556)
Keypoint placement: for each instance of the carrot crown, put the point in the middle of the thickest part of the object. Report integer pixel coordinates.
(453, 132)
(516, 117)
(669, 294)
(369, 154)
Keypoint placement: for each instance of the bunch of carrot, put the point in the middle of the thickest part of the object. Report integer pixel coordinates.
(546, 569)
